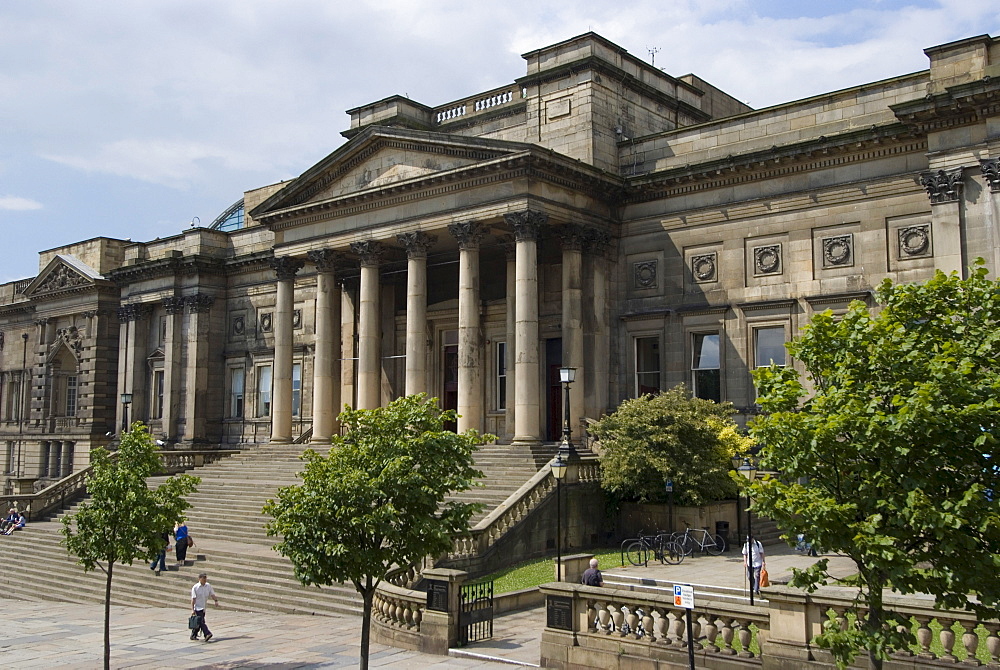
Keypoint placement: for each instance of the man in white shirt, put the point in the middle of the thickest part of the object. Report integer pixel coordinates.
(200, 593)
(753, 563)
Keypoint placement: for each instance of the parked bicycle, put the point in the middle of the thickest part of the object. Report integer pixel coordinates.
(702, 540)
(639, 549)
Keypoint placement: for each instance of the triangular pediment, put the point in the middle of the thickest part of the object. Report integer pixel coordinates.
(380, 157)
(63, 274)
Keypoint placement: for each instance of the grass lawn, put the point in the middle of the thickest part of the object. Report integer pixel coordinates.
(541, 571)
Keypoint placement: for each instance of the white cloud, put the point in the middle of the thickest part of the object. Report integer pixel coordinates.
(16, 204)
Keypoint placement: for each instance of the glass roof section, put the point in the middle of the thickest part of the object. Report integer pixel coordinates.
(231, 219)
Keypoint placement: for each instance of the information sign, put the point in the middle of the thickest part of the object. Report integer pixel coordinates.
(684, 596)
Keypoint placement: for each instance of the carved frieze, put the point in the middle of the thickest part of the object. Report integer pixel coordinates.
(468, 233)
(703, 268)
(838, 251)
(943, 185)
(915, 241)
(527, 225)
(285, 267)
(991, 171)
(644, 274)
(61, 278)
(767, 260)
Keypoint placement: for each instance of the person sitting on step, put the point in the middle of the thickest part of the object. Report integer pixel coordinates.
(9, 521)
(20, 523)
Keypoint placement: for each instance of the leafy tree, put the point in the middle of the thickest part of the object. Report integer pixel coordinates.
(124, 519)
(377, 500)
(671, 435)
(896, 443)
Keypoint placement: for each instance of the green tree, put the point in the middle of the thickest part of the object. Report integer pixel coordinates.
(377, 500)
(896, 440)
(671, 435)
(123, 519)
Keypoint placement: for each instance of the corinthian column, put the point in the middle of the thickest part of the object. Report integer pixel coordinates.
(416, 243)
(600, 345)
(527, 414)
(369, 368)
(572, 318)
(285, 269)
(470, 349)
(326, 363)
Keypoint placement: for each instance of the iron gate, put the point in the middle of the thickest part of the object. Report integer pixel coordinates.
(476, 617)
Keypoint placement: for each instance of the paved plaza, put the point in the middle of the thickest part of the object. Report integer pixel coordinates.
(64, 635)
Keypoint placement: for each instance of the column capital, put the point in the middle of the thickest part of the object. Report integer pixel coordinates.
(285, 267)
(943, 185)
(509, 246)
(468, 233)
(200, 302)
(326, 260)
(991, 170)
(597, 241)
(527, 224)
(134, 311)
(573, 236)
(173, 305)
(370, 252)
(416, 243)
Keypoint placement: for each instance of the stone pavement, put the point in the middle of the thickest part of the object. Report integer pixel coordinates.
(50, 634)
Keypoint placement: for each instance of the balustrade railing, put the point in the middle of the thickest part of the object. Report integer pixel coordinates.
(476, 104)
(399, 607)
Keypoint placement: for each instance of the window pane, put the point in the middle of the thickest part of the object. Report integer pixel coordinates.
(647, 365)
(770, 346)
(501, 387)
(706, 352)
(71, 395)
(296, 388)
(236, 407)
(264, 390)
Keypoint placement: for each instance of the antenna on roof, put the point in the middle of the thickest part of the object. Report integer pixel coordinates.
(652, 54)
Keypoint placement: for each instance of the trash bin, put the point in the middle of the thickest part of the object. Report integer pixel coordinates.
(722, 530)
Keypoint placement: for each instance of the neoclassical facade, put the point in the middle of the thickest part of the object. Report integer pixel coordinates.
(596, 213)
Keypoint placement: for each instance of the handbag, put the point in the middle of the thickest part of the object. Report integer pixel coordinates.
(193, 622)
(190, 541)
(764, 581)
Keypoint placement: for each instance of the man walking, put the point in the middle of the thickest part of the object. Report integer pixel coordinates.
(753, 560)
(592, 576)
(200, 593)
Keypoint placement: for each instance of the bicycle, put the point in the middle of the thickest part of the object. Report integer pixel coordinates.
(638, 549)
(701, 539)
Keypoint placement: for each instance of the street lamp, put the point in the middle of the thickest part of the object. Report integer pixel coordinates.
(126, 401)
(559, 467)
(567, 376)
(746, 468)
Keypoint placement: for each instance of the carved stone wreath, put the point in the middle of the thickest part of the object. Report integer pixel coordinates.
(265, 322)
(239, 325)
(703, 267)
(767, 260)
(914, 241)
(838, 250)
(645, 274)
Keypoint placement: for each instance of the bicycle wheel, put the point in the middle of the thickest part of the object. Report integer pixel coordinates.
(715, 545)
(686, 544)
(671, 553)
(637, 553)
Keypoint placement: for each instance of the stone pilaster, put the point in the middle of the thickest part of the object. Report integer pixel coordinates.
(132, 359)
(471, 413)
(172, 360)
(573, 237)
(369, 364)
(417, 244)
(599, 336)
(196, 405)
(527, 412)
(510, 250)
(285, 269)
(945, 188)
(326, 361)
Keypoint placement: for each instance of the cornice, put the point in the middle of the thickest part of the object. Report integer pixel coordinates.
(776, 162)
(957, 105)
(255, 262)
(25, 307)
(766, 304)
(167, 267)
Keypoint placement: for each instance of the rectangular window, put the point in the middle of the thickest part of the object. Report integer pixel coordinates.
(769, 346)
(71, 386)
(43, 465)
(647, 365)
(156, 411)
(10, 457)
(706, 380)
(237, 382)
(296, 389)
(501, 385)
(264, 390)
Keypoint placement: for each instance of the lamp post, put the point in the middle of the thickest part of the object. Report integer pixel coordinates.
(567, 376)
(126, 401)
(559, 466)
(746, 468)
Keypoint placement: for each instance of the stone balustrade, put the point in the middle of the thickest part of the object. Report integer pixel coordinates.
(476, 104)
(399, 607)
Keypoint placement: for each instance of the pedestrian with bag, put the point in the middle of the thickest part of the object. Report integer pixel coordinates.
(200, 593)
(182, 540)
(753, 562)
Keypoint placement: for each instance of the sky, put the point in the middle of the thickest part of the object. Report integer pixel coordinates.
(134, 119)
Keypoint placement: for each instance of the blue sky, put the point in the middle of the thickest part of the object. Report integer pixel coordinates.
(130, 119)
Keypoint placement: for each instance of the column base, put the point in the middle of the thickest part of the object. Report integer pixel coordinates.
(320, 441)
(280, 440)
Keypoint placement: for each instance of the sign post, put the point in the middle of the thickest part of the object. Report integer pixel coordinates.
(670, 504)
(684, 597)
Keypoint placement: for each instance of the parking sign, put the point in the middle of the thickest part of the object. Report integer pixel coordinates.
(684, 596)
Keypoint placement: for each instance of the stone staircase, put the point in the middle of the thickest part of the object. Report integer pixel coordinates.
(231, 545)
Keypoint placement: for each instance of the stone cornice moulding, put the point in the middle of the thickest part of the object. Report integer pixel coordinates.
(766, 304)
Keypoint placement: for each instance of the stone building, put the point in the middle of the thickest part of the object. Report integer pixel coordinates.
(595, 213)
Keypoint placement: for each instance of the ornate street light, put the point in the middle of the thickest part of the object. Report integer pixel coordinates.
(748, 470)
(559, 467)
(126, 401)
(567, 376)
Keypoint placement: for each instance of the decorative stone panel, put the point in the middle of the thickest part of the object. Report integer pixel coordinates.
(915, 241)
(265, 322)
(767, 260)
(239, 325)
(704, 268)
(297, 318)
(838, 251)
(644, 274)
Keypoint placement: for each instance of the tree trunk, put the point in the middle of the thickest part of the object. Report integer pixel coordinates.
(876, 619)
(366, 622)
(107, 619)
